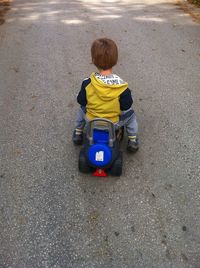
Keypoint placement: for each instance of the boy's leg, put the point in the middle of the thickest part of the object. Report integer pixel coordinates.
(130, 122)
(80, 124)
(132, 130)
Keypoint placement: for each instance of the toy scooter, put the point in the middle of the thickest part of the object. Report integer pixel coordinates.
(101, 153)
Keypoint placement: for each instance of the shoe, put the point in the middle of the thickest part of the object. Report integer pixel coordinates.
(77, 137)
(133, 144)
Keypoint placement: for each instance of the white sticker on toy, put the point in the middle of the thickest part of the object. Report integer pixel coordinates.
(99, 156)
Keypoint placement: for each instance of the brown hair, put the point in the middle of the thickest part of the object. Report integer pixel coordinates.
(104, 53)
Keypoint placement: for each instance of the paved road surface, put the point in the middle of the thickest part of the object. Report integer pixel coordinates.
(52, 216)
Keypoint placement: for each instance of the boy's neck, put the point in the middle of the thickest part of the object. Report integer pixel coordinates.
(105, 72)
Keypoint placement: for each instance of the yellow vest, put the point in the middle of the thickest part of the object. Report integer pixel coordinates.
(103, 99)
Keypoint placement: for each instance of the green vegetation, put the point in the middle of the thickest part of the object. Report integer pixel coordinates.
(196, 2)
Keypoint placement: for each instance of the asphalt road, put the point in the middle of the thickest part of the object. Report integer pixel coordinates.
(52, 216)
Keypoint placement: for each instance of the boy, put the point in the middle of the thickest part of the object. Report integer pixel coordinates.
(106, 95)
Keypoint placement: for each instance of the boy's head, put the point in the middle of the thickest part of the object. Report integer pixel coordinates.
(104, 53)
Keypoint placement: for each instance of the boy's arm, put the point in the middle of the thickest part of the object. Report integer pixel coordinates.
(125, 100)
(82, 98)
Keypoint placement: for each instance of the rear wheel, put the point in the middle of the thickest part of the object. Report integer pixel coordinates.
(116, 169)
(83, 164)
(120, 134)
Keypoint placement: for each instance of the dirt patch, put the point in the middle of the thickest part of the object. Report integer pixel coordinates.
(190, 8)
(4, 7)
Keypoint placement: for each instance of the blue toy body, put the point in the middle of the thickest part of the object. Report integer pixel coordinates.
(100, 153)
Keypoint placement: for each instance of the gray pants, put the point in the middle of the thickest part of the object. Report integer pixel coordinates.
(127, 119)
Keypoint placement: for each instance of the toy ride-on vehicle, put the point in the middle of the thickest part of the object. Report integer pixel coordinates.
(101, 153)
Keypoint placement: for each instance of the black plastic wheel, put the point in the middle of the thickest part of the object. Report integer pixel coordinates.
(116, 169)
(82, 163)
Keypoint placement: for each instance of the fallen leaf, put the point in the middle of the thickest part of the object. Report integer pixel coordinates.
(21, 220)
(16, 69)
(93, 217)
(18, 151)
(32, 109)
(34, 96)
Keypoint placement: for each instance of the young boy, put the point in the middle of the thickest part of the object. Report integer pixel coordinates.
(106, 95)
